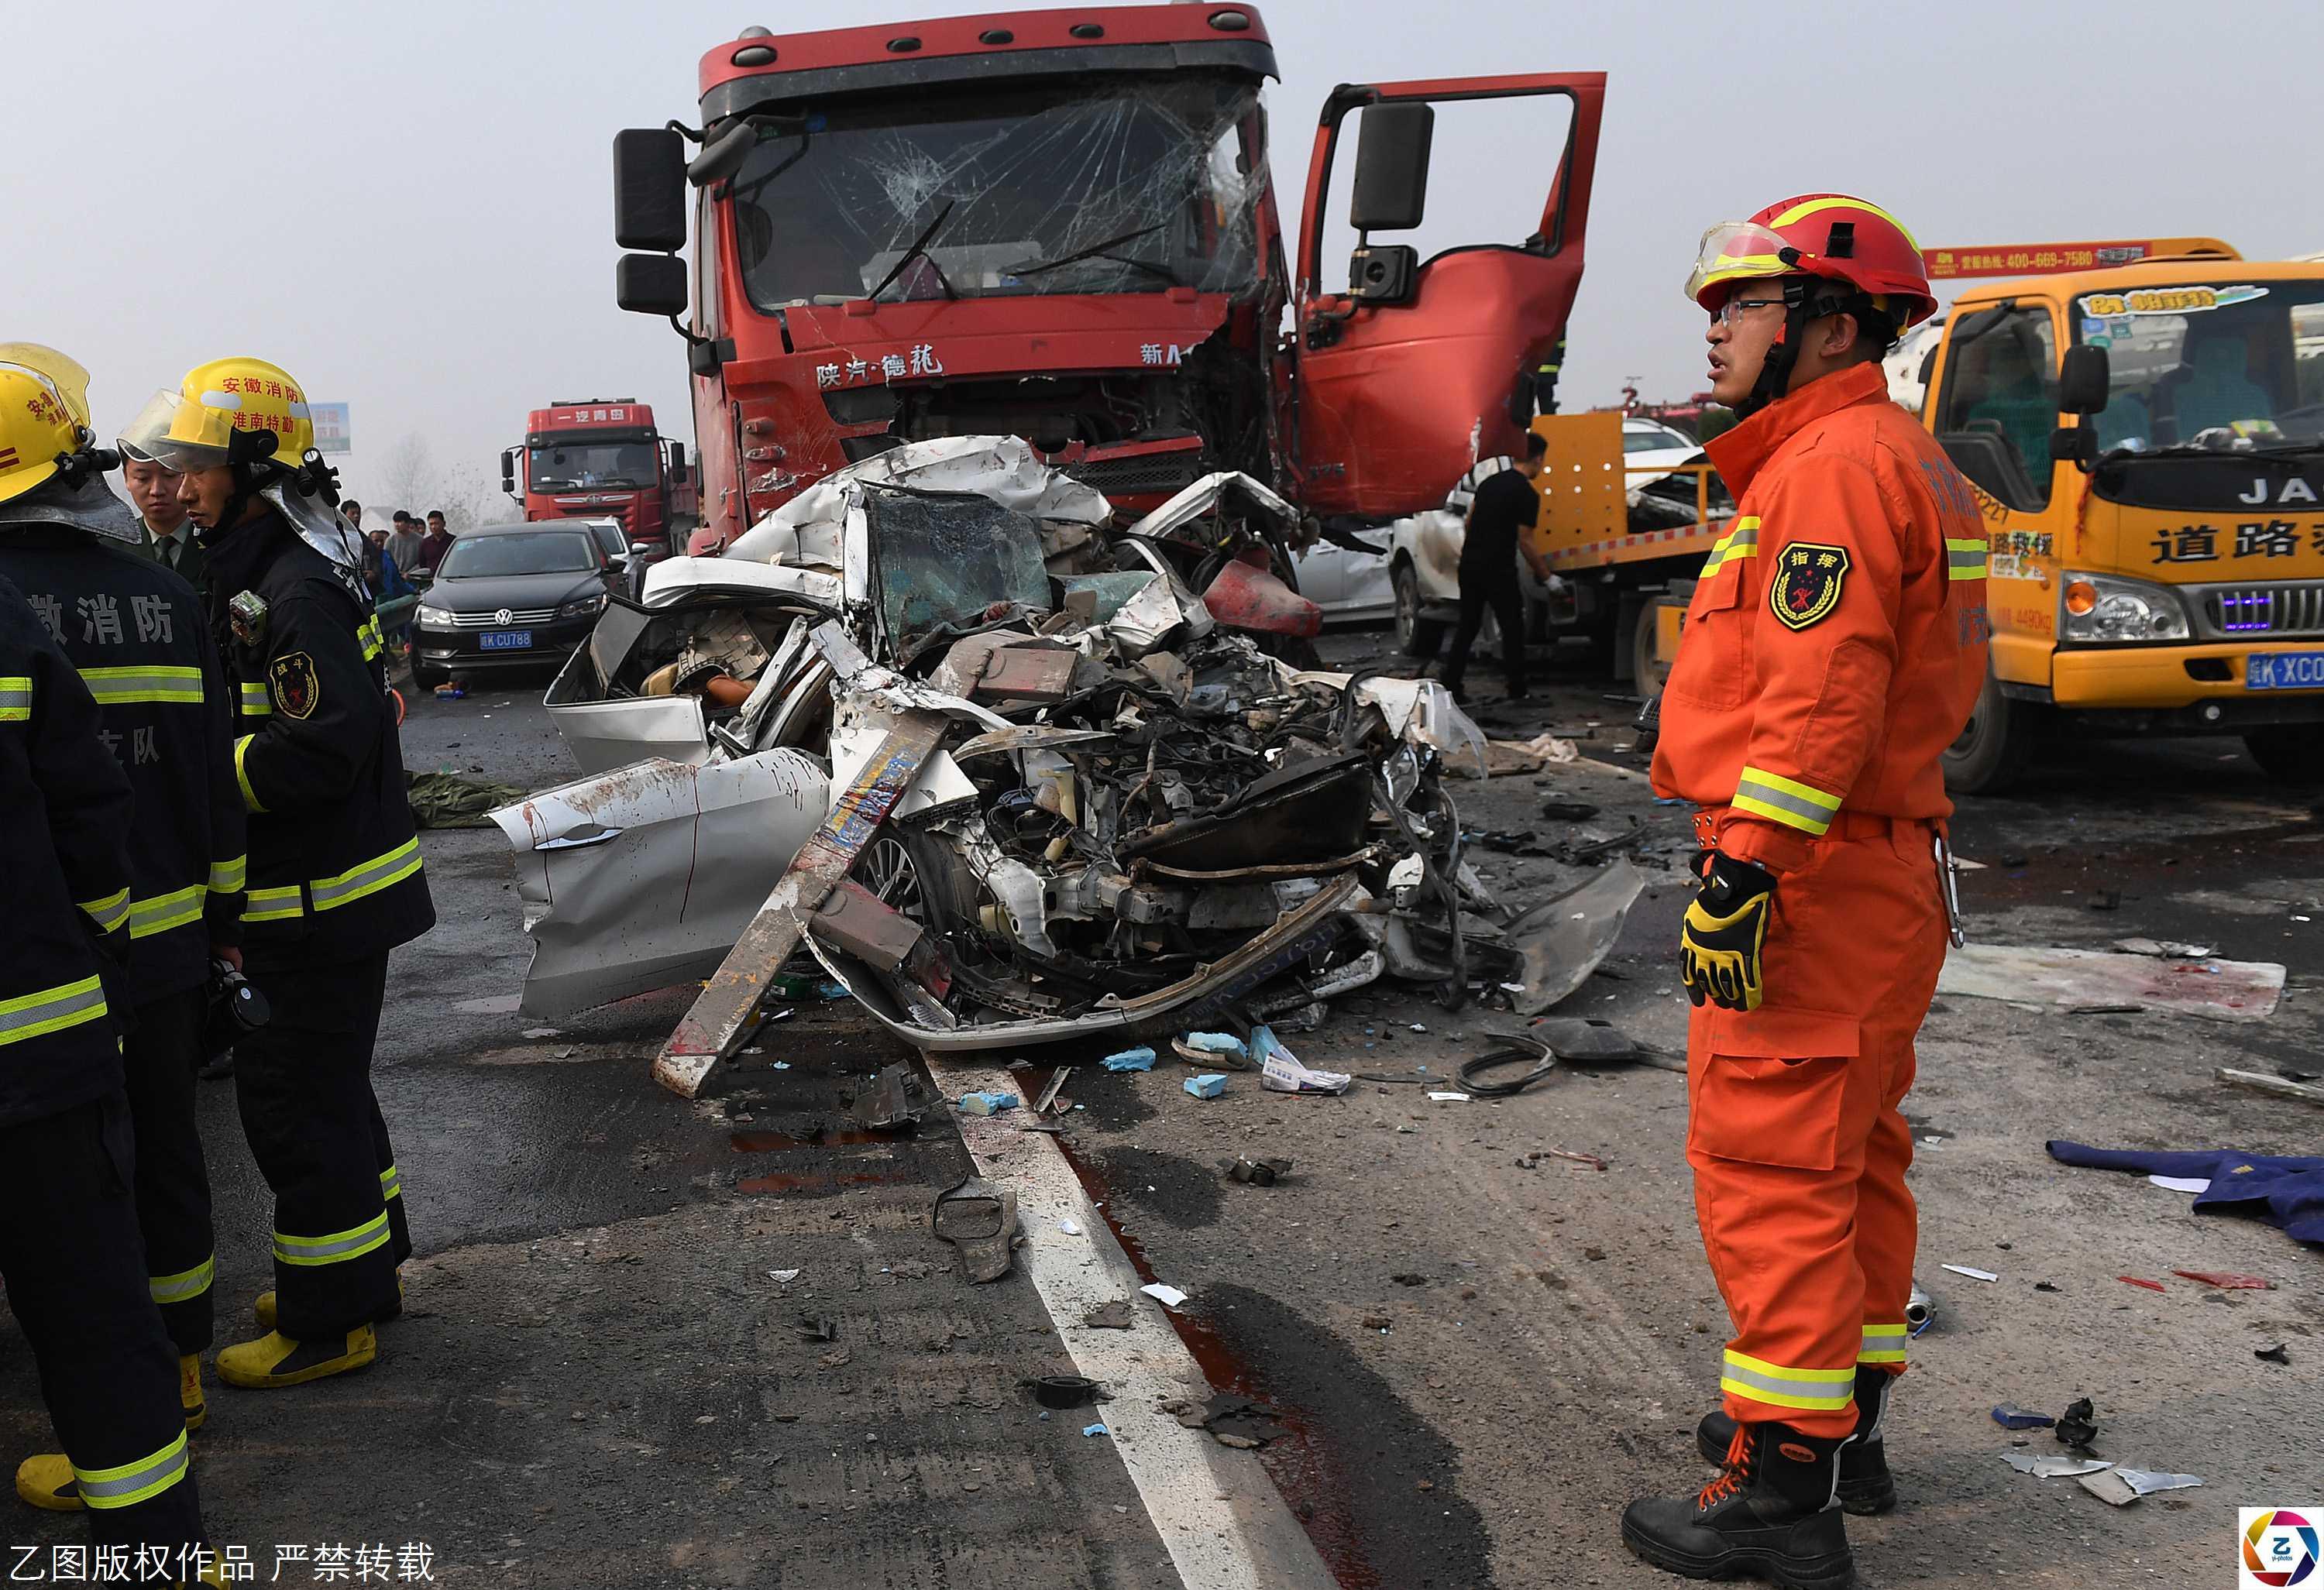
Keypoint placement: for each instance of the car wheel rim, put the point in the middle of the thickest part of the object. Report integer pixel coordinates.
(889, 873)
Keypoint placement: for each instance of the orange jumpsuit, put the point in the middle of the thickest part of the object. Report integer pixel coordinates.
(1834, 647)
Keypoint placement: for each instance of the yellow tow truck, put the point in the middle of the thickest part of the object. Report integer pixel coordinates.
(2143, 422)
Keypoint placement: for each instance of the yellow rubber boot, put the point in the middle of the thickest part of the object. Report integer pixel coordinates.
(262, 1308)
(46, 1480)
(190, 1391)
(275, 1360)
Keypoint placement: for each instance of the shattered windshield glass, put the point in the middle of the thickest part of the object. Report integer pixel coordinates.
(1150, 184)
(944, 560)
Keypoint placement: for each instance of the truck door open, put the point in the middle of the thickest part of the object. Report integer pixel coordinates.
(1420, 366)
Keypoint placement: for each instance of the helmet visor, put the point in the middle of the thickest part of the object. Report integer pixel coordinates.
(177, 433)
(59, 372)
(1736, 251)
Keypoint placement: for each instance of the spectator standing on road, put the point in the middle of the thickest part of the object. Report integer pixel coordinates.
(404, 541)
(335, 865)
(1505, 505)
(136, 634)
(1835, 643)
(70, 1254)
(438, 543)
(169, 537)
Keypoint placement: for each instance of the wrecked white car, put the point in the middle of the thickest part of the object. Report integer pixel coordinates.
(1123, 814)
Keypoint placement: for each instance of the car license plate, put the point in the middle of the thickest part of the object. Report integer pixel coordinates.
(2285, 670)
(505, 640)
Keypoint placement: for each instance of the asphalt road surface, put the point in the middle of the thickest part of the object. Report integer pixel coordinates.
(1475, 1351)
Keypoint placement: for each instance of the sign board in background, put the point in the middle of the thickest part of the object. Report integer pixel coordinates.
(331, 430)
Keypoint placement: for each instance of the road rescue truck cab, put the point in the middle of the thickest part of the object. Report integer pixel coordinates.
(601, 458)
(1062, 225)
(2143, 423)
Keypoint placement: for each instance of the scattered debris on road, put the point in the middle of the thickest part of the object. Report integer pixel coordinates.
(2119, 1487)
(2092, 979)
(979, 1219)
(1972, 1272)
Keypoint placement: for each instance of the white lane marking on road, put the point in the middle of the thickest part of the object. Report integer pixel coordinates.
(1219, 1515)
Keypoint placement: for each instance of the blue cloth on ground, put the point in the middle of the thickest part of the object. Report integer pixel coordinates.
(2287, 1191)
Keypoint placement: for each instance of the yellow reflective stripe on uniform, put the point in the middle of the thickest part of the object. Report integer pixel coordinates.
(133, 1483)
(1742, 541)
(369, 878)
(1965, 560)
(372, 642)
(390, 1182)
(1802, 210)
(337, 1248)
(164, 912)
(110, 912)
(242, 774)
(119, 687)
(29, 1016)
(1817, 1389)
(272, 905)
(255, 702)
(1784, 800)
(15, 698)
(185, 1283)
(1885, 1344)
(229, 878)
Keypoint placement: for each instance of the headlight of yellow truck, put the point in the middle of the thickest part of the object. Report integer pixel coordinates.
(2098, 609)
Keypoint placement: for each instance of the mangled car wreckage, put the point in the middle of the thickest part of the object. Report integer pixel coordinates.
(1052, 780)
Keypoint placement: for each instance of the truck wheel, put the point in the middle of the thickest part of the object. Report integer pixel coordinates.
(1418, 636)
(1648, 675)
(2294, 754)
(1994, 746)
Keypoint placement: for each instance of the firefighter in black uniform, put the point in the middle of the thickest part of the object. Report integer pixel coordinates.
(137, 635)
(69, 1250)
(335, 879)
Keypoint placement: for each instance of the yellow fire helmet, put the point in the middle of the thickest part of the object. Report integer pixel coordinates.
(239, 410)
(43, 414)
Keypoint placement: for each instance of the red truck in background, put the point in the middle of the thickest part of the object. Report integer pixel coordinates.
(1062, 225)
(601, 458)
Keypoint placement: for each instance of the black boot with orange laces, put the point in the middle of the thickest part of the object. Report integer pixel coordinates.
(1774, 1512)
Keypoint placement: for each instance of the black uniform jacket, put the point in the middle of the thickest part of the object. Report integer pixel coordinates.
(335, 870)
(65, 804)
(137, 634)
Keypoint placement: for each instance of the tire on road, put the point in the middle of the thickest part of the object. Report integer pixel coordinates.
(1994, 746)
(2292, 753)
(1418, 636)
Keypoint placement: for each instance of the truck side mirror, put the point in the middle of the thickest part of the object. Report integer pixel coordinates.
(677, 459)
(651, 284)
(2083, 380)
(508, 471)
(650, 190)
(1383, 272)
(1391, 188)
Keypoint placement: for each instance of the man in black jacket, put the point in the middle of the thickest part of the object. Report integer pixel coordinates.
(136, 634)
(335, 869)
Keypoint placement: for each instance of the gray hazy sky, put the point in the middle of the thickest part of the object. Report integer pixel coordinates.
(408, 206)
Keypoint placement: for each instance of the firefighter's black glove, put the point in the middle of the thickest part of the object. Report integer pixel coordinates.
(1718, 942)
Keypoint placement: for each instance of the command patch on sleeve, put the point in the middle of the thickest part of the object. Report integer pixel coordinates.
(1806, 586)
(297, 691)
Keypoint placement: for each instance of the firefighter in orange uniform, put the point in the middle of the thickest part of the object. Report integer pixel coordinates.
(1834, 645)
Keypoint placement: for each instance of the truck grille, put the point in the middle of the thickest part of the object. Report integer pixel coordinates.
(492, 620)
(2290, 607)
(1139, 474)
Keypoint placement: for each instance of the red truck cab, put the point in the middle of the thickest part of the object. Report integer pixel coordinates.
(1062, 225)
(601, 458)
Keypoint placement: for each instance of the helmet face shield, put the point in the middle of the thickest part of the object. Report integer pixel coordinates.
(1735, 251)
(59, 372)
(178, 432)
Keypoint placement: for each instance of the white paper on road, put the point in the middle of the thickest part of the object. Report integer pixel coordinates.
(1168, 1296)
(1280, 1070)
(2033, 974)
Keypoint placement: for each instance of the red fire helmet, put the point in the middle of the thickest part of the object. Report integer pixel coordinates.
(1828, 234)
